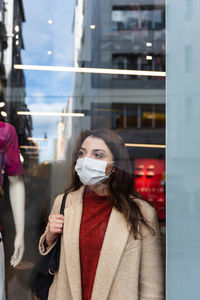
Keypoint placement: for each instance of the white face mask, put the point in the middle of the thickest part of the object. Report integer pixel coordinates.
(91, 171)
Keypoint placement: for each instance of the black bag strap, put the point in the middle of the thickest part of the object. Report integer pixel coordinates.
(62, 207)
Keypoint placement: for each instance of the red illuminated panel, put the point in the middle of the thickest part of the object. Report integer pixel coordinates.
(150, 182)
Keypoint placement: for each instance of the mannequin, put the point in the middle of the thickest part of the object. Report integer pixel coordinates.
(17, 196)
(10, 161)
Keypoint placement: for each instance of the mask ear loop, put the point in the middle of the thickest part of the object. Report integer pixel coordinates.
(112, 172)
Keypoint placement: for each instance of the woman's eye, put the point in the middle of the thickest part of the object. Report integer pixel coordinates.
(80, 153)
(98, 155)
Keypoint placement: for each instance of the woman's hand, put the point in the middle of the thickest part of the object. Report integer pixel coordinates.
(56, 223)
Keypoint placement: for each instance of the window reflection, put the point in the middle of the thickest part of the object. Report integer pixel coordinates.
(86, 34)
(126, 115)
(126, 37)
(138, 17)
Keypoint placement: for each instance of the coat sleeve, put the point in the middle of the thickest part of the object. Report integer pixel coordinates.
(151, 269)
(55, 210)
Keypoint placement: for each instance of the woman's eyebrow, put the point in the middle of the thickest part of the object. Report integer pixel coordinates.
(99, 150)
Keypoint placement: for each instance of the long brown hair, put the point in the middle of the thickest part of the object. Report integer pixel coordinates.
(121, 183)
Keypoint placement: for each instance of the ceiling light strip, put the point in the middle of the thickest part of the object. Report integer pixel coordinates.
(49, 114)
(32, 147)
(90, 70)
(37, 139)
(145, 145)
(29, 147)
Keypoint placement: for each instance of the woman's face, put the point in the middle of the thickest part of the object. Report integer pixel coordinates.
(96, 148)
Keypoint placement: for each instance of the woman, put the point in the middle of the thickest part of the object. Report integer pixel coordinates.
(110, 239)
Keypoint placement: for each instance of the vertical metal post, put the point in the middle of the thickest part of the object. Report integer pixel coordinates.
(8, 55)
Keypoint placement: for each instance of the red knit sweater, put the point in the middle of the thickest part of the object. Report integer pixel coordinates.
(96, 213)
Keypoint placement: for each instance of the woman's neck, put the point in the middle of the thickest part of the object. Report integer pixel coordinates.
(99, 189)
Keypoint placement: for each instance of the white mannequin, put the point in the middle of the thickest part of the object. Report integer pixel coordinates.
(10, 162)
(17, 199)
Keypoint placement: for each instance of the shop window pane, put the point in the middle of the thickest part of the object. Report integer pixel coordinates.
(67, 67)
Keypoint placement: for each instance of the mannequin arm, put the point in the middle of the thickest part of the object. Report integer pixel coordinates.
(17, 199)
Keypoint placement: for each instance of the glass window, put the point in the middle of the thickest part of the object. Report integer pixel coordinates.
(67, 67)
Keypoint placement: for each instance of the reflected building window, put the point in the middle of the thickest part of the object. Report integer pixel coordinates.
(138, 17)
(126, 115)
(146, 62)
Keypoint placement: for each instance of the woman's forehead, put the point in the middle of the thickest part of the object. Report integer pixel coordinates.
(94, 143)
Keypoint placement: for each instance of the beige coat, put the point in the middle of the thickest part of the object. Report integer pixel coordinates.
(128, 269)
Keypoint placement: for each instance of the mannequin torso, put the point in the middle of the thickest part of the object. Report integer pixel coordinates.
(10, 160)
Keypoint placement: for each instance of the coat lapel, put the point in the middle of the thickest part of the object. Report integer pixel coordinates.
(114, 243)
(73, 215)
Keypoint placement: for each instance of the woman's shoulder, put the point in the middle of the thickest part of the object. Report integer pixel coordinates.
(59, 198)
(146, 208)
(71, 195)
(150, 216)
(57, 202)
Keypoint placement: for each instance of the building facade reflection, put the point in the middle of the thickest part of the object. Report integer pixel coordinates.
(122, 36)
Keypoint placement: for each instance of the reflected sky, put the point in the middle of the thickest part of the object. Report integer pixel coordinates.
(48, 40)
